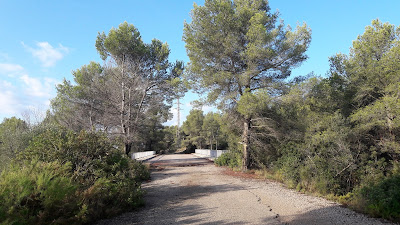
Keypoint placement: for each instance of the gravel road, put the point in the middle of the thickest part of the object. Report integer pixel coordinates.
(188, 190)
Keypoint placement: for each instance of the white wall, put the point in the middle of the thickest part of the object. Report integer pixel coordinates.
(138, 155)
(210, 153)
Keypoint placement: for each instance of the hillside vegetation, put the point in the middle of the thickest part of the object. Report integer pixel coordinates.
(336, 135)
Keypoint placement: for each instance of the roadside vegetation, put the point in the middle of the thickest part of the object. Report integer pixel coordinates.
(64, 177)
(335, 135)
(74, 166)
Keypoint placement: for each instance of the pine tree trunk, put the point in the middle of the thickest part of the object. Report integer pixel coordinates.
(128, 148)
(246, 144)
(122, 113)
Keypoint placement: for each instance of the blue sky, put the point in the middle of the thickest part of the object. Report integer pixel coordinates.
(41, 42)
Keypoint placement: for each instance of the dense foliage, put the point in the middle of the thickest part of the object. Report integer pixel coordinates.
(13, 137)
(336, 135)
(65, 177)
(129, 96)
(73, 166)
(203, 131)
(237, 48)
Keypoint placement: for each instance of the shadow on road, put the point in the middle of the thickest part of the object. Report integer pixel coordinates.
(166, 161)
(166, 191)
(188, 190)
(330, 215)
(162, 206)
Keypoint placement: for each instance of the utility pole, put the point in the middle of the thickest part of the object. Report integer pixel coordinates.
(179, 122)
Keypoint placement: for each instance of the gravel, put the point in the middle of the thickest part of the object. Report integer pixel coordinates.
(188, 190)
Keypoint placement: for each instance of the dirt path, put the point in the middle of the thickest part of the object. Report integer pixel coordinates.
(189, 190)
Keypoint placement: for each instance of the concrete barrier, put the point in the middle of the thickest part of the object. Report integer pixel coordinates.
(210, 153)
(141, 155)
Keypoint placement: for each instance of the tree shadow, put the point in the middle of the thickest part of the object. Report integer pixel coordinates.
(163, 199)
(180, 162)
(164, 204)
(178, 215)
(159, 173)
(330, 215)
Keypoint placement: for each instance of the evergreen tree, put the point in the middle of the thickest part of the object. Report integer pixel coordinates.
(236, 48)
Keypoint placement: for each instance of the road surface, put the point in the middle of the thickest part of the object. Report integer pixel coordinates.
(185, 189)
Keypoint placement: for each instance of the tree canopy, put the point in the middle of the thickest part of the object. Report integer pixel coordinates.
(238, 47)
(128, 95)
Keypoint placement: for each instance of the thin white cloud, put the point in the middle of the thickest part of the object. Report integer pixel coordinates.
(7, 103)
(8, 100)
(47, 54)
(36, 87)
(4, 57)
(22, 94)
(10, 69)
(5, 84)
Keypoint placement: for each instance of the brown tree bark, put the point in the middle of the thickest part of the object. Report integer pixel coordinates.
(128, 146)
(246, 144)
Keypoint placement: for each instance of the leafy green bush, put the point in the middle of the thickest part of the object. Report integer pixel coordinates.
(383, 198)
(231, 159)
(14, 137)
(64, 177)
(288, 165)
(38, 193)
(92, 155)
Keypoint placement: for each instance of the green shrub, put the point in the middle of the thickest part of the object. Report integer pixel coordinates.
(383, 198)
(324, 170)
(64, 177)
(92, 155)
(38, 193)
(231, 159)
(288, 165)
